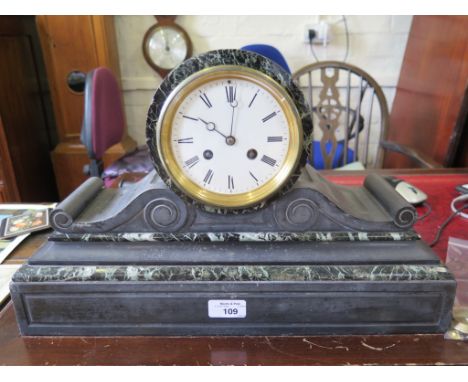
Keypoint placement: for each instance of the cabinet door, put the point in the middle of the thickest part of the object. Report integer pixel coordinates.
(8, 188)
(26, 136)
(74, 43)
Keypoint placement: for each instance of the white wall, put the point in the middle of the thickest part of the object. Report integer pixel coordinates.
(377, 45)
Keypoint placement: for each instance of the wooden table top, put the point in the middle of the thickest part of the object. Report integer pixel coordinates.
(317, 350)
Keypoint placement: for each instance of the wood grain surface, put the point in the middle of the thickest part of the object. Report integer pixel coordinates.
(430, 89)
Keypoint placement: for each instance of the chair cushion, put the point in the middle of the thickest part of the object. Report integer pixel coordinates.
(319, 162)
(103, 123)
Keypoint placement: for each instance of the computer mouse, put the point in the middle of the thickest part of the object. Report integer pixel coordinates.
(410, 193)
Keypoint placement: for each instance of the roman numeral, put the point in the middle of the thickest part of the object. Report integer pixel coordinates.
(266, 159)
(230, 183)
(192, 161)
(184, 140)
(253, 99)
(208, 177)
(253, 176)
(275, 139)
(230, 93)
(187, 117)
(268, 117)
(205, 99)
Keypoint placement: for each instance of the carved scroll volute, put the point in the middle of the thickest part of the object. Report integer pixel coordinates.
(165, 215)
(329, 112)
(294, 213)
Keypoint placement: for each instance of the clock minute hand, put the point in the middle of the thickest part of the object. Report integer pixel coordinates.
(210, 126)
(233, 105)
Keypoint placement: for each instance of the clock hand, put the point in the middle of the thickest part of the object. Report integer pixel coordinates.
(233, 105)
(166, 47)
(212, 127)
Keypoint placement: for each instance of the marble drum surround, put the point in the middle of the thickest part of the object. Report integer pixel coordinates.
(351, 264)
(225, 57)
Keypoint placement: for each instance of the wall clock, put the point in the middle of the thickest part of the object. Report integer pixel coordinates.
(228, 129)
(166, 44)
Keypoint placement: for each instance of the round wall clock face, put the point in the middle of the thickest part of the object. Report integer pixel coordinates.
(166, 46)
(229, 136)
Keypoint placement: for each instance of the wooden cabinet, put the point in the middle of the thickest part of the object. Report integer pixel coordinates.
(8, 186)
(76, 43)
(27, 134)
(428, 100)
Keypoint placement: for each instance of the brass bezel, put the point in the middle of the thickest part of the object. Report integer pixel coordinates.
(193, 190)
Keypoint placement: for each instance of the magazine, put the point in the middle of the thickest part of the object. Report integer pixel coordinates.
(18, 219)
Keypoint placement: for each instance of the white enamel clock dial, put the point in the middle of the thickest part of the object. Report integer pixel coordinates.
(230, 138)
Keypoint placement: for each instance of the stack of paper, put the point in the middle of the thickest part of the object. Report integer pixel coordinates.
(17, 221)
(6, 272)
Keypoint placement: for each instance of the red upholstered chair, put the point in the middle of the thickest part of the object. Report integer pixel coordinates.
(103, 121)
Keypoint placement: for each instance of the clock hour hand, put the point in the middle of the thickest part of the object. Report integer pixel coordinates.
(212, 127)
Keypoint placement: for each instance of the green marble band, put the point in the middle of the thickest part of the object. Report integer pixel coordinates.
(28, 273)
(239, 236)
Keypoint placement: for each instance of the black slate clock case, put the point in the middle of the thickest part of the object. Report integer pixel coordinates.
(316, 259)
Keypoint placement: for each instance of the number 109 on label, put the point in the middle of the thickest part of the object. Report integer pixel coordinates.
(227, 308)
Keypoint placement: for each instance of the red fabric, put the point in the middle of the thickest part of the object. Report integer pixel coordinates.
(440, 190)
(107, 112)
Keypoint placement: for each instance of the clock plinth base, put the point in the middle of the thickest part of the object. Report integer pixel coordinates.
(320, 259)
(303, 288)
